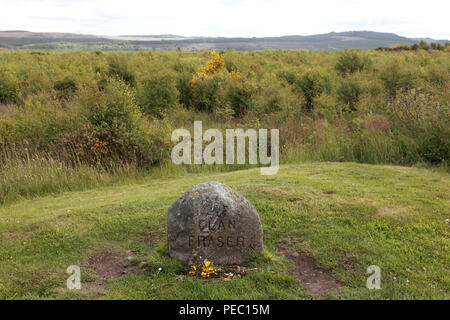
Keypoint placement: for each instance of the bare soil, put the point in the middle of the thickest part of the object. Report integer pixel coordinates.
(316, 280)
(108, 264)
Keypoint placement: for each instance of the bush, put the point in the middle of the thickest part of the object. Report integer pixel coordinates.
(395, 78)
(351, 61)
(157, 95)
(9, 91)
(239, 96)
(348, 93)
(424, 120)
(311, 84)
(207, 94)
(116, 130)
(119, 67)
(65, 88)
(287, 75)
(184, 88)
(272, 101)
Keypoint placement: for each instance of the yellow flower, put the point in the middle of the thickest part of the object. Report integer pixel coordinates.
(235, 75)
(207, 263)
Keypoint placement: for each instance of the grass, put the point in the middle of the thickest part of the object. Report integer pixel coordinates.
(348, 216)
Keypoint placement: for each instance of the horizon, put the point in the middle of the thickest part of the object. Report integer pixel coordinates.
(203, 36)
(229, 19)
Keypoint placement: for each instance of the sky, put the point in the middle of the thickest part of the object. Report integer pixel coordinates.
(227, 18)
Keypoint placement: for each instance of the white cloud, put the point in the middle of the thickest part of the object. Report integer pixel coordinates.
(227, 18)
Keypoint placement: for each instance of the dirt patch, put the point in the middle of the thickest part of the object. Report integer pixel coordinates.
(275, 192)
(316, 280)
(392, 211)
(383, 209)
(152, 238)
(108, 264)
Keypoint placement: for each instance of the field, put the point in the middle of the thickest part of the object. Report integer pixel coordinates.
(346, 216)
(86, 176)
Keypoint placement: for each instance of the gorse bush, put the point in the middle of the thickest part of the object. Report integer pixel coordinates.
(158, 95)
(351, 61)
(9, 91)
(207, 94)
(311, 84)
(184, 88)
(288, 75)
(349, 93)
(239, 97)
(115, 104)
(65, 88)
(395, 78)
(117, 129)
(118, 66)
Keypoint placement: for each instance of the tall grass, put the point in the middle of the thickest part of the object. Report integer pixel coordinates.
(96, 119)
(37, 175)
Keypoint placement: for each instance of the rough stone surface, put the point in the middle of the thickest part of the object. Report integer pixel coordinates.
(212, 221)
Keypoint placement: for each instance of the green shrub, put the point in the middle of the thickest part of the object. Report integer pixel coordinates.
(351, 61)
(184, 88)
(65, 88)
(9, 91)
(118, 66)
(424, 45)
(424, 120)
(287, 74)
(395, 78)
(116, 130)
(207, 94)
(348, 93)
(311, 84)
(239, 96)
(272, 101)
(158, 95)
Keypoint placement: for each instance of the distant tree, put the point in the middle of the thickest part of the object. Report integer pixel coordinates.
(424, 45)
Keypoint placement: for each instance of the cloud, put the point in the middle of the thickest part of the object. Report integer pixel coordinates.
(227, 17)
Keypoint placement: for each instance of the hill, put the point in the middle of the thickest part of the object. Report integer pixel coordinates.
(328, 41)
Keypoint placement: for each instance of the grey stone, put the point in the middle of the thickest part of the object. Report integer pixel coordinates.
(212, 221)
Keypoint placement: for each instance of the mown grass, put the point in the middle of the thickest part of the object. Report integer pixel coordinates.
(348, 216)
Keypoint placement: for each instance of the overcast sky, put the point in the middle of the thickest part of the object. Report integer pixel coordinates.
(249, 18)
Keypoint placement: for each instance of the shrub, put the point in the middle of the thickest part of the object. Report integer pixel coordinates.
(395, 78)
(119, 67)
(424, 120)
(239, 96)
(184, 88)
(351, 61)
(65, 88)
(424, 45)
(272, 100)
(311, 84)
(348, 93)
(207, 94)
(158, 95)
(116, 130)
(287, 74)
(9, 91)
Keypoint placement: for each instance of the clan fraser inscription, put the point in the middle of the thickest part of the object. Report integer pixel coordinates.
(212, 221)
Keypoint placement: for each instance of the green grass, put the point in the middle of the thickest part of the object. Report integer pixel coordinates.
(348, 216)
